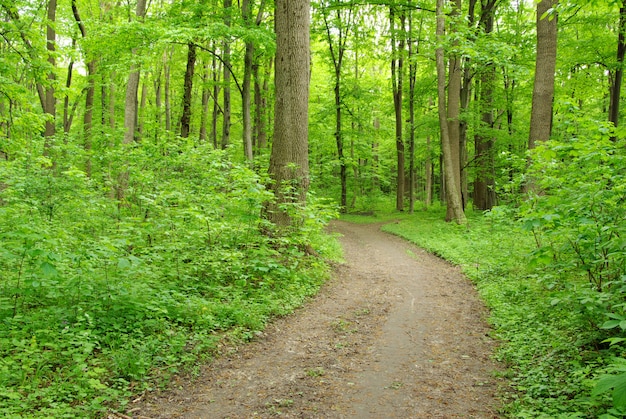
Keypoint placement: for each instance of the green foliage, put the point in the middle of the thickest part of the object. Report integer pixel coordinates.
(101, 298)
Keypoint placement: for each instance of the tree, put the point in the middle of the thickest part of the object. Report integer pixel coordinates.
(545, 67)
(50, 100)
(618, 74)
(397, 77)
(289, 165)
(448, 143)
(185, 119)
(226, 109)
(132, 87)
(337, 31)
(484, 183)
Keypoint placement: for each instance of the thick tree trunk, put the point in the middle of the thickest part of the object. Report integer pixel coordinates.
(185, 119)
(289, 164)
(545, 67)
(453, 168)
(450, 157)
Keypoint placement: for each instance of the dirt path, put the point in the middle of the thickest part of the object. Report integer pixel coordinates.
(397, 333)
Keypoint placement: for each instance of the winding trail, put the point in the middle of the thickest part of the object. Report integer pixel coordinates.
(397, 333)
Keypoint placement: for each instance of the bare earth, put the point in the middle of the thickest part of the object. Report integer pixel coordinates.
(397, 333)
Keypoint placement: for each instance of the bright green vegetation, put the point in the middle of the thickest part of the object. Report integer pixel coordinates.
(102, 298)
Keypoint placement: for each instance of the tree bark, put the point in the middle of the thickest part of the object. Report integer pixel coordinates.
(289, 164)
(397, 75)
(89, 99)
(50, 100)
(450, 165)
(206, 95)
(132, 88)
(226, 108)
(168, 92)
(616, 85)
(185, 119)
(484, 192)
(545, 67)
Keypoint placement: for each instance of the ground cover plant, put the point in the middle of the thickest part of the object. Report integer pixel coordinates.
(103, 296)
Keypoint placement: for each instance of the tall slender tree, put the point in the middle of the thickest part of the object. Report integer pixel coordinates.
(398, 42)
(337, 29)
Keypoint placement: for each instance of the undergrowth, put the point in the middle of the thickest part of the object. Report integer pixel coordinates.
(546, 320)
(107, 289)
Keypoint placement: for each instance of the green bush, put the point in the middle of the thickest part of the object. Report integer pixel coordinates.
(105, 294)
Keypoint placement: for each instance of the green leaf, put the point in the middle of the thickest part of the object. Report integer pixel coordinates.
(619, 394)
(123, 263)
(607, 382)
(48, 269)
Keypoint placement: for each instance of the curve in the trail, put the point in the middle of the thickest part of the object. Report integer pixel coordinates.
(397, 333)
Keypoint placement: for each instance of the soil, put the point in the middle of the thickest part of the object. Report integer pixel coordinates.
(396, 333)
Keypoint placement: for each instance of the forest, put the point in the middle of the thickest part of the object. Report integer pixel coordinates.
(168, 167)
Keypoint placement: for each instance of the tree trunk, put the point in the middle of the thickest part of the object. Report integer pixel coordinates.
(132, 88)
(185, 119)
(112, 102)
(450, 165)
(452, 169)
(216, 106)
(50, 100)
(142, 109)
(412, 81)
(484, 192)
(226, 108)
(545, 67)
(260, 100)
(397, 73)
(337, 51)
(289, 165)
(206, 95)
(168, 92)
(616, 86)
(246, 94)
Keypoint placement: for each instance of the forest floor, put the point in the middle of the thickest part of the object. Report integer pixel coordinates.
(396, 333)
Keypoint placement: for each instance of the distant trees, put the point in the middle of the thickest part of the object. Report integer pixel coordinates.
(203, 71)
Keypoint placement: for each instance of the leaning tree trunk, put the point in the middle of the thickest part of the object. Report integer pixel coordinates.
(289, 164)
